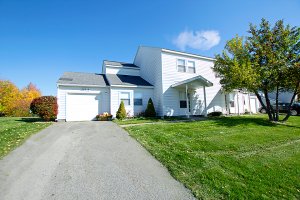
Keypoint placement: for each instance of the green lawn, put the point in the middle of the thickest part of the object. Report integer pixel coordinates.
(14, 131)
(243, 157)
(141, 120)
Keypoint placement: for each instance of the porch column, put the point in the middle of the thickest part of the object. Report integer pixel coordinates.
(205, 106)
(238, 102)
(187, 100)
(249, 101)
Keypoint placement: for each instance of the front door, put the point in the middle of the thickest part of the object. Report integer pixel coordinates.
(184, 104)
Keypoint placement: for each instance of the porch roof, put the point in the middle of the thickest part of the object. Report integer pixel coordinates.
(193, 83)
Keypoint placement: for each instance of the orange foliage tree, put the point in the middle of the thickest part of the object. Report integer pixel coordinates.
(15, 102)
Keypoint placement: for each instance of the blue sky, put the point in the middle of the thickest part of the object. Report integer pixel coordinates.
(39, 40)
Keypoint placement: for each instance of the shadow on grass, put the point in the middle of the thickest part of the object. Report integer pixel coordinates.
(236, 121)
(30, 119)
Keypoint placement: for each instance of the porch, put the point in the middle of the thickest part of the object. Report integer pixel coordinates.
(189, 86)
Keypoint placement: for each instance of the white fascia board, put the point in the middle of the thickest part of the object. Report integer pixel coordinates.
(114, 66)
(132, 86)
(187, 54)
(80, 85)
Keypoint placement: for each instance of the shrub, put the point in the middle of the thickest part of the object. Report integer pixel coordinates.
(46, 107)
(150, 110)
(121, 113)
(215, 114)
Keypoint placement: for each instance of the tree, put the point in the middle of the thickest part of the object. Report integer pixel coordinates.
(266, 61)
(9, 94)
(14, 102)
(150, 110)
(28, 93)
(45, 107)
(121, 113)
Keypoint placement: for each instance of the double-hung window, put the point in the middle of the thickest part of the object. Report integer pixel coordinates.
(138, 99)
(186, 66)
(125, 97)
(191, 67)
(181, 65)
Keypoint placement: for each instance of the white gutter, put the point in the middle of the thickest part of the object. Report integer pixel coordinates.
(80, 85)
(187, 54)
(132, 86)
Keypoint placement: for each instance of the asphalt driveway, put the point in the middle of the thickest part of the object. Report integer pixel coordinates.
(85, 160)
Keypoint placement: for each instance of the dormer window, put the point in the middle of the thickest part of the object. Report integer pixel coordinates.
(186, 66)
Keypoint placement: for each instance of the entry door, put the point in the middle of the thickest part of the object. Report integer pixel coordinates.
(184, 109)
(82, 107)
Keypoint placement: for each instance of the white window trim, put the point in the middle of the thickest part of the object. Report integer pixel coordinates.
(180, 65)
(191, 67)
(186, 67)
(130, 98)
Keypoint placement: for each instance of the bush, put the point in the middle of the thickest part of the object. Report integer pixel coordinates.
(215, 114)
(121, 113)
(150, 110)
(46, 107)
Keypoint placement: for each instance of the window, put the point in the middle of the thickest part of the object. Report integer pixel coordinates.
(232, 103)
(138, 99)
(125, 97)
(186, 66)
(183, 104)
(191, 67)
(181, 65)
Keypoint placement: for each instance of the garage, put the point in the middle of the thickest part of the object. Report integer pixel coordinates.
(82, 107)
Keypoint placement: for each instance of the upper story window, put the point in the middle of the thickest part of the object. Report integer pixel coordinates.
(138, 99)
(181, 65)
(125, 97)
(186, 66)
(191, 67)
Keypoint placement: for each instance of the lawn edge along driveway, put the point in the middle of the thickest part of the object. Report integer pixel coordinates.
(14, 131)
(229, 157)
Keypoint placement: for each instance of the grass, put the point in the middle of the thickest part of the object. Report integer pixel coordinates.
(141, 120)
(14, 131)
(243, 157)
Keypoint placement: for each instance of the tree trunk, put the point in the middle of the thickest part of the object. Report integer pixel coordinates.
(277, 111)
(263, 105)
(291, 102)
(270, 110)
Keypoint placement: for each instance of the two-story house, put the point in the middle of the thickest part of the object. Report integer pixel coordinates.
(179, 84)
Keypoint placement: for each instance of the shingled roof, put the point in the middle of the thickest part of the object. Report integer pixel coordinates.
(80, 78)
(119, 64)
(126, 80)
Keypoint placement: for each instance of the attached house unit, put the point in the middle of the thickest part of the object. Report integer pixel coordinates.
(179, 84)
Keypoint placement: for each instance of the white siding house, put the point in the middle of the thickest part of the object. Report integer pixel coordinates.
(179, 84)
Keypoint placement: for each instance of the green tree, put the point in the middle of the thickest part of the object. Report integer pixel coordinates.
(150, 110)
(121, 113)
(266, 61)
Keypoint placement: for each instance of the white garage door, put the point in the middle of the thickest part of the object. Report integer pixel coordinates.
(82, 107)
